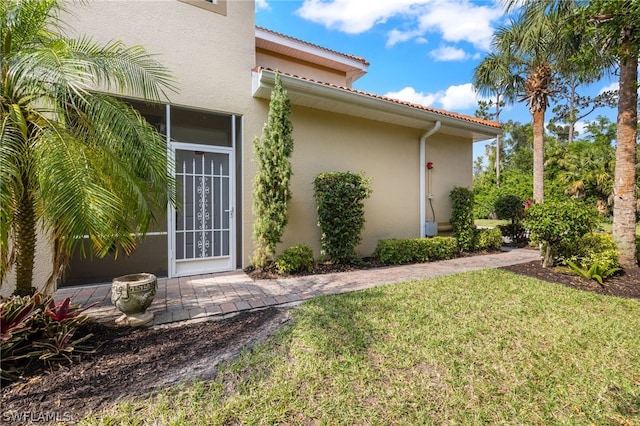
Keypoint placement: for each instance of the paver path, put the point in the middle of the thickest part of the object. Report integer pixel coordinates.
(203, 296)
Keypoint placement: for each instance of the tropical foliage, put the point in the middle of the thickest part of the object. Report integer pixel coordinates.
(73, 161)
(560, 46)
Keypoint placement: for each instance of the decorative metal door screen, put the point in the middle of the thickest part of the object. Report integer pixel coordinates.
(203, 227)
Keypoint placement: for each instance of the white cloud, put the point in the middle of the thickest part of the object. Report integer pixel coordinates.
(580, 127)
(612, 86)
(455, 20)
(394, 36)
(353, 16)
(461, 20)
(448, 53)
(409, 94)
(459, 97)
(454, 98)
(262, 5)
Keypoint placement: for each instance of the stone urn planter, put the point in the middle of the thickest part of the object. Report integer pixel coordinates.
(132, 295)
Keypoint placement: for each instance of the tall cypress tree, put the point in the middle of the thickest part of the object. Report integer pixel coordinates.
(271, 192)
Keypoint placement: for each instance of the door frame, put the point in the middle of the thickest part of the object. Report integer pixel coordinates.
(230, 264)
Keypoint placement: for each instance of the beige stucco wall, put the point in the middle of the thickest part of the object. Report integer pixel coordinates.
(386, 153)
(211, 55)
(300, 68)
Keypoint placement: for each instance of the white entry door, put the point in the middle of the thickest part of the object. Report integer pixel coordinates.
(203, 231)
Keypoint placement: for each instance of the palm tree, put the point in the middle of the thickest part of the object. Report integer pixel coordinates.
(73, 161)
(544, 45)
(534, 58)
(496, 75)
(611, 26)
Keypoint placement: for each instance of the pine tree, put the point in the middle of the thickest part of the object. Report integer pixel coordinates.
(271, 193)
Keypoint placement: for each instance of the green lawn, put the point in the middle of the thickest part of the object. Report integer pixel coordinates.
(486, 347)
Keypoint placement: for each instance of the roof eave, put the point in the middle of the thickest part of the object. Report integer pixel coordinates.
(325, 97)
(353, 67)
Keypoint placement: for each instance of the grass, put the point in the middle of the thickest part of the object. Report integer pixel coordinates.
(490, 223)
(486, 347)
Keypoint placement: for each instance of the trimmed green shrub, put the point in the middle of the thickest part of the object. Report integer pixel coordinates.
(509, 207)
(298, 258)
(340, 198)
(554, 223)
(437, 248)
(487, 239)
(462, 216)
(400, 251)
(395, 251)
(35, 328)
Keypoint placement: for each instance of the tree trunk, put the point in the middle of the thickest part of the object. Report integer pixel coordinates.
(538, 156)
(624, 187)
(498, 142)
(25, 242)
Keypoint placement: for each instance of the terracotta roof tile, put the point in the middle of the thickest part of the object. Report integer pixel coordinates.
(346, 55)
(397, 101)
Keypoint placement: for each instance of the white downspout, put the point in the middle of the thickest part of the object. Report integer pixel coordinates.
(423, 183)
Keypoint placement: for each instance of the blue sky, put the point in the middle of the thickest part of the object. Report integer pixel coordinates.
(422, 51)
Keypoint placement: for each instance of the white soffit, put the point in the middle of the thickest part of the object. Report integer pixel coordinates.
(339, 100)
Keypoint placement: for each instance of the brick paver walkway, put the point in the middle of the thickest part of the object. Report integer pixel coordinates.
(203, 296)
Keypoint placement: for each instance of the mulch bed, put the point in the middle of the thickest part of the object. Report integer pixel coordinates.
(622, 285)
(132, 363)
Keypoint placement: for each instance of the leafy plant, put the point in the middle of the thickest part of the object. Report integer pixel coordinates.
(554, 222)
(400, 251)
(462, 216)
(298, 258)
(271, 193)
(596, 272)
(510, 207)
(340, 198)
(516, 232)
(487, 239)
(396, 251)
(35, 328)
(435, 248)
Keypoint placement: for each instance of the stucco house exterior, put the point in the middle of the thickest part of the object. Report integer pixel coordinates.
(225, 68)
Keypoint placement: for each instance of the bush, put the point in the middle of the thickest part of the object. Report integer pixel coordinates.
(510, 207)
(516, 232)
(400, 251)
(298, 258)
(487, 239)
(34, 328)
(340, 197)
(593, 248)
(438, 248)
(395, 251)
(638, 249)
(554, 223)
(462, 217)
